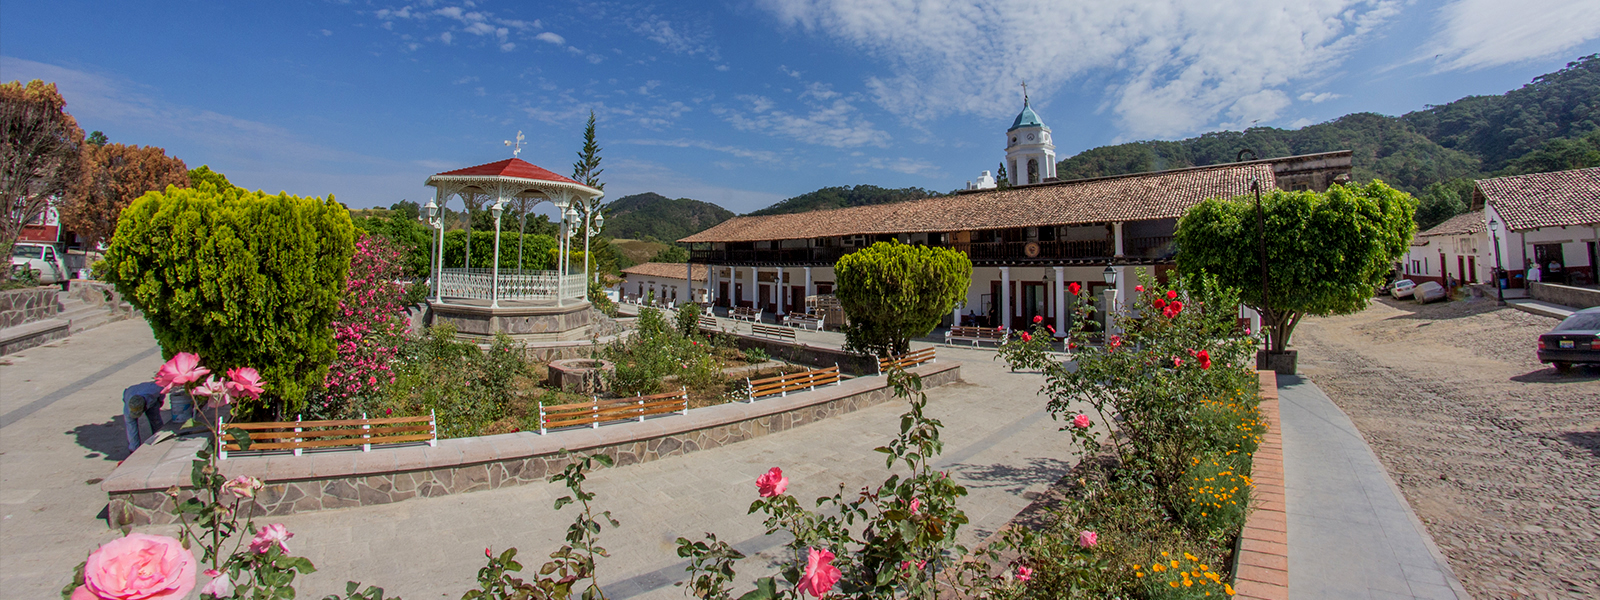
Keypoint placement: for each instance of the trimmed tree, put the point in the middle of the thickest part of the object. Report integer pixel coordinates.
(893, 292)
(1325, 251)
(240, 278)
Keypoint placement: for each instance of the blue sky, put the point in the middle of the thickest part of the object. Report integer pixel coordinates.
(743, 104)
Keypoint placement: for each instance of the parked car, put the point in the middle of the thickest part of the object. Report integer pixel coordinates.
(42, 259)
(1575, 340)
(1402, 288)
(1428, 292)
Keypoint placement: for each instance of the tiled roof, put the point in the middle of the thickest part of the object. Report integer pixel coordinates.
(1463, 224)
(1545, 199)
(1138, 197)
(511, 167)
(664, 270)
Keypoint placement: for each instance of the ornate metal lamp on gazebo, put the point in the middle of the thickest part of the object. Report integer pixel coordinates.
(530, 305)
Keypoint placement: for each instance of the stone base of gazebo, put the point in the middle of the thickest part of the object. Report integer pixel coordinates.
(478, 322)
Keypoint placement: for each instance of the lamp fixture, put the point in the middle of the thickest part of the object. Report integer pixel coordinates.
(1110, 275)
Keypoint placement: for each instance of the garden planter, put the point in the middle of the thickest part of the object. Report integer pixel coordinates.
(580, 375)
(1282, 363)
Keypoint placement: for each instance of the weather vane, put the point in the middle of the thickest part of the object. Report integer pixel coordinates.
(518, 146)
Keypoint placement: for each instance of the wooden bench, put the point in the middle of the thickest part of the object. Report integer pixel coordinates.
(803, 321)
(793, 382)
(743, 313)
(606, 411)
(975, 335)
(906, 361)
(776, 331)
(709, 323)
(299, 435)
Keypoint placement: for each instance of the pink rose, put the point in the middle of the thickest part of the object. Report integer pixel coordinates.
(271, 535)
(1025, 337)
(1024, 573)
(219, 587)
(1088, 539)
(244, 381)
(1116, 340)
(1177, 362)
(243, 486)
(1081, 421)
(184, 368)
(142, 566)
(820, 574)
(216, 391)
(772, 483)
(915, 504)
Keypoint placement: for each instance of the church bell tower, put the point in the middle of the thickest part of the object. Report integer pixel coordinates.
(1030, 156)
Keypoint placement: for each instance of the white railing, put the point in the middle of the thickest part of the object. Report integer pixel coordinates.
(477, 284)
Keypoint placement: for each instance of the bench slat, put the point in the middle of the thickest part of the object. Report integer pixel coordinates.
(329, 433)
(232, 447)
(303, 424)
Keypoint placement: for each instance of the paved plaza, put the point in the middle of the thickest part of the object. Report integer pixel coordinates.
(63, 429)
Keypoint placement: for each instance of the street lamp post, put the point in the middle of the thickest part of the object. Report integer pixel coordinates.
(496, 210)
(438, 263)
(1261, 235)
(1110, 277)
(1499, 270)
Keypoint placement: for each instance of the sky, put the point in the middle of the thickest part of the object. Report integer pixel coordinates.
(743, 103)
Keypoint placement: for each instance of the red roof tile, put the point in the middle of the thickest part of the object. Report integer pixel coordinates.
(665, 270)
(511, 167)
(1138, 197)
(1462, 224)
(1545, 199)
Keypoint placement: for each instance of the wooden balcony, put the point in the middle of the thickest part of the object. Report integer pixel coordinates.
(1137, 250)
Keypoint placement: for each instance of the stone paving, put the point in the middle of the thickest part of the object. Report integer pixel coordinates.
(62, 428)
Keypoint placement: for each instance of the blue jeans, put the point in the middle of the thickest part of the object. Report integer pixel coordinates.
(152, 411)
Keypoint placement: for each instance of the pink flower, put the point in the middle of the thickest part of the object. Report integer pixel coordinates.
(184, 368)
(1138, 288)
(1177, 362)
(1088, 539)
(820, 574)
(243, 486)
(772, 483)
(1073, 288)
(1172, 294)
(487, 553)
(142, 566)
(271, 535)
(915, 504)
(1081, 421)
(214, 389)
(1024, 573)
(219, 587)
(1205, 359)
(1000, 327)
(1037, 319)
(1116, 341)
(1025, 336)
(245, 381)
(1247, 331)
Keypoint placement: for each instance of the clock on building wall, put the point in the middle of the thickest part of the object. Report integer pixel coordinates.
(1030, 137)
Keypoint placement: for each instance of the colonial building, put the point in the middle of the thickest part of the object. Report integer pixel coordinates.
(666, 283)
(1027, 243)
(1451, 252)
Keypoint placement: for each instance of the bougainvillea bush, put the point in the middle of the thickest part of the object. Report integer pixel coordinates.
(368, 331)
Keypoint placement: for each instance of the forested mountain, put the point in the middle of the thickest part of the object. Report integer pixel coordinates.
(843, 196)
(1434, 153)
(653, 216)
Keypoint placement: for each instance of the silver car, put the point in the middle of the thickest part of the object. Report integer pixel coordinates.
(42, 259)
(1402, 288)
(1428, 292)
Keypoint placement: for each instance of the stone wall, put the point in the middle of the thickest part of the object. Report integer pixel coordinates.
(1564, 295)
(22, 306)
(324, 480)
(804, 354)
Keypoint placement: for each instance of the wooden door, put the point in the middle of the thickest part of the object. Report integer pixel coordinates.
(1472, 269)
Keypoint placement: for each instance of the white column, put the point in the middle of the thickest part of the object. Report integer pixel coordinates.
(1004, 311)
(1061, 302)
(810, 290)
(711, 283)
(779, 290)
(1116, 229)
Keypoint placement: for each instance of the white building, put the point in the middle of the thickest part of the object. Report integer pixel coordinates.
(1551, 218)
(668, 284)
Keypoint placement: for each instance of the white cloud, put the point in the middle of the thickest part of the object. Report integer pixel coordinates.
(681, 37)
(445, 37)
(908, 166)
(1316, 98)
(722, 67)
(1173, 66)
(835, 123)
(326, 32)
(765, 156)
(1476, 34)
(551, 37)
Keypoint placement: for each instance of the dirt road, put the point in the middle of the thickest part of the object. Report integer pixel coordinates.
(1498, 454)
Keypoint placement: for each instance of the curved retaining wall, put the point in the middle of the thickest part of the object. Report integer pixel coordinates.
(349, 477)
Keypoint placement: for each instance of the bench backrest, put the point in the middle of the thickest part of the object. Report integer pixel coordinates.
(605, 411)
(772, 330)
(708, 322)
(793, 382)
(299, 435)
(906, 361)
(982, 333)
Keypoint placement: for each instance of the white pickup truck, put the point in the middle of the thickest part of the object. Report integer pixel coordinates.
(42, 259)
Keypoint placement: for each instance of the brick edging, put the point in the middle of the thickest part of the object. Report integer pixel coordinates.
(1262, 563)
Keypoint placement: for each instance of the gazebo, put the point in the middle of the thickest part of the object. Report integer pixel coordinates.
(526, 304)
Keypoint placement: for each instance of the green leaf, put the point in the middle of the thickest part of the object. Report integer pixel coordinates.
(240, 437)
(766, 588)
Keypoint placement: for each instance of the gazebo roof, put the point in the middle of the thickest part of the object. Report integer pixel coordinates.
(514, 170)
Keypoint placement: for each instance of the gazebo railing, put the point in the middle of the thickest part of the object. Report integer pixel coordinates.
(478, 284)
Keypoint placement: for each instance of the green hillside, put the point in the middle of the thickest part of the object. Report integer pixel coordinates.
(653, 216)
(1433, 153)
(843, 196)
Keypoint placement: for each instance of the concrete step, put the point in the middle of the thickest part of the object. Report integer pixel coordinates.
(28, 335)
(1544, 309)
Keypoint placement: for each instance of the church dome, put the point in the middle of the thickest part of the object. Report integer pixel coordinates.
(1027, 118)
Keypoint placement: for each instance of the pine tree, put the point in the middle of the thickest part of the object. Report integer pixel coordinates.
(1001, 181)
(587, 170)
